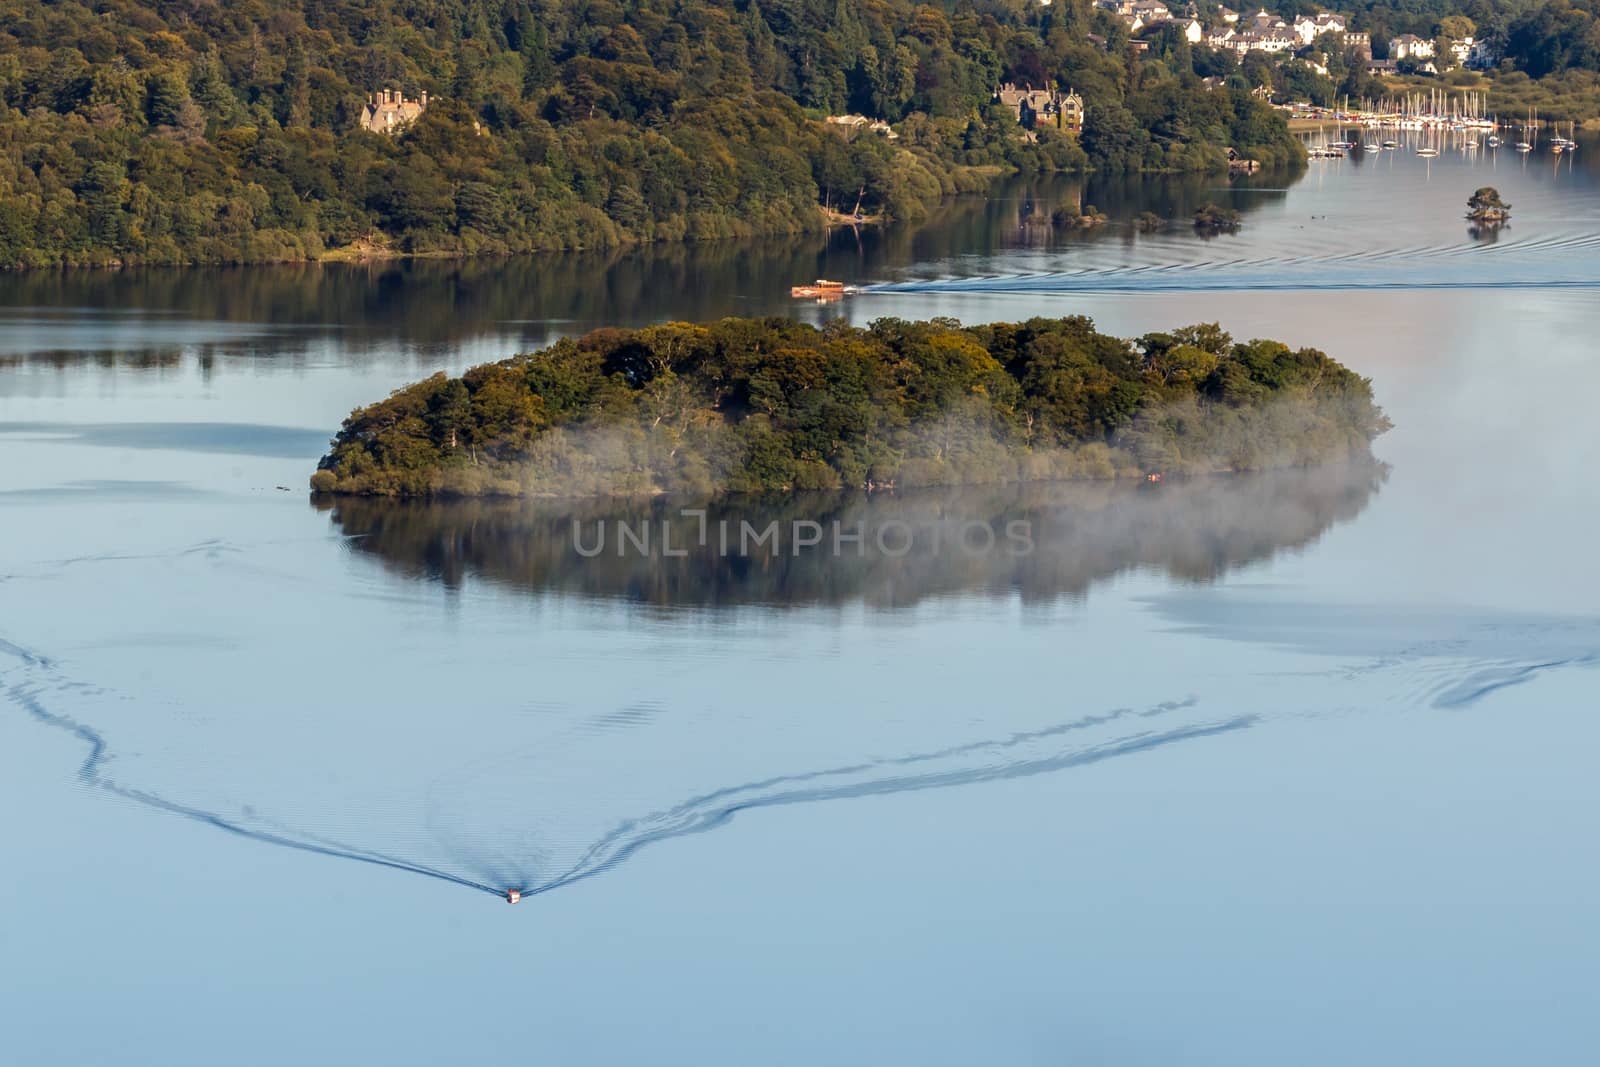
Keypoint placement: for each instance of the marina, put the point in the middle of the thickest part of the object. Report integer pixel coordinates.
(1436, 109)
(1335, 142)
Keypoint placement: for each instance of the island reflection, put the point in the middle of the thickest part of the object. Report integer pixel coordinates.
(1039, 542)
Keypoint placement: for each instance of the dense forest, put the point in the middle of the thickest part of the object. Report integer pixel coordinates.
(750, 405)
(193, 131)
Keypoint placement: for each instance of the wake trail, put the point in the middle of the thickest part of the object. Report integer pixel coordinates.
(1479, 683)
(1555, 262)
(712, 810)
(90, 773)
(1018, 755)
(1447, 660)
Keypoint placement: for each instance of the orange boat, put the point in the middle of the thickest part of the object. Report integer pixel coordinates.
(822, 289)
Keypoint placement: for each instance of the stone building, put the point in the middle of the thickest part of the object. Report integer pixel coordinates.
(1047, 106)
(1360, 43)
(388, 111)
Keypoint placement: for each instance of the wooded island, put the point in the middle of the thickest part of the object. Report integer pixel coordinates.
(754, 405)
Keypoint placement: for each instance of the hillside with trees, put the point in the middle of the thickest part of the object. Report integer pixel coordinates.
(1536, 37)
(1527, 54)
(750, 405)
(147, 131)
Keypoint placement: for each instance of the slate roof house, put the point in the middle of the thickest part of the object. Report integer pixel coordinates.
(388, 111)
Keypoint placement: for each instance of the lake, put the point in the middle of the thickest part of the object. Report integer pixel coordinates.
(1290, 768)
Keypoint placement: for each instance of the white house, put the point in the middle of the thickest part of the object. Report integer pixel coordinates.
(861, 122)
(1272, 41)
(1191, 30)
(1462, 50)
(1410, 46)
(1309, 27)
(1227, 14)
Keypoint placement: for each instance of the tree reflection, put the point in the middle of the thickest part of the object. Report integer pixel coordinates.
(154, 317)
(1036, 541)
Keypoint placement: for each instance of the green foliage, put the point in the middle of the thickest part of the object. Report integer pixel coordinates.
(1485, 205)
(1214, 218)
(1535, 38)
(1069, 217)
(220, 133)
(1570, 96)
(1554, 38)
(772, 404)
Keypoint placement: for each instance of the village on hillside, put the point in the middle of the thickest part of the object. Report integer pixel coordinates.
(1305, 36)
(1307, 40)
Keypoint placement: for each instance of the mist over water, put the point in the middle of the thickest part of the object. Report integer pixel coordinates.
(1036, 541)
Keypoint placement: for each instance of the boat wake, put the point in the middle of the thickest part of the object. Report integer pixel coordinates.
(549, 858)
(1441, 659)
(91, 772)
(548, 799)
(1567, 262)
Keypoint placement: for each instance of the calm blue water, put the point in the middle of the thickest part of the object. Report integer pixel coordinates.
(1252, 771)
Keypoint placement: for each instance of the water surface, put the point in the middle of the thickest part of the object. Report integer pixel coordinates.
(1228, 771)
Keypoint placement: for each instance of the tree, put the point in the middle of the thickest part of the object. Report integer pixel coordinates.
(1485, 205)
(451, 414)
(1214, 219)
(169, 92)
(1112, 136)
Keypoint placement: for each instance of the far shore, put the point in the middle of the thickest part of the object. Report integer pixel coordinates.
(374, 249)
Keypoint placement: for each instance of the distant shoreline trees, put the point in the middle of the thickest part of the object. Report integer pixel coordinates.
(133, 133)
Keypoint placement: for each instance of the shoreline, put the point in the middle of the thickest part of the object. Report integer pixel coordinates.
(368, 251)
(1129, 476)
